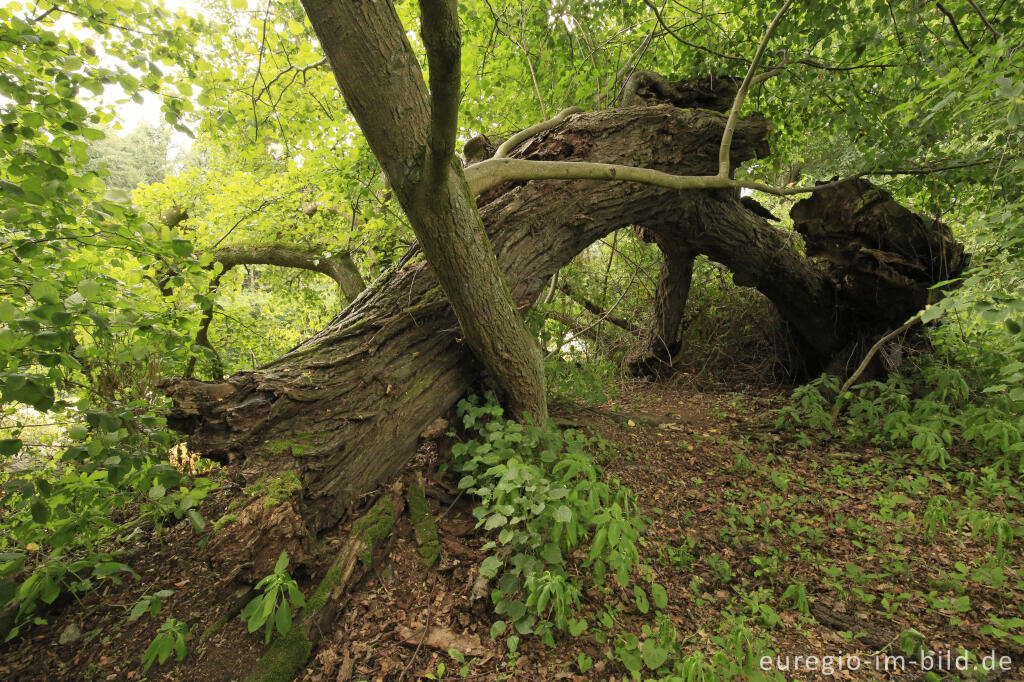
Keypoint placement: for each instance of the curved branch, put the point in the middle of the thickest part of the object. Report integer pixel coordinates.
(492, 172)
(338, 267)
(512, 142)
(486, 174)
(866, 361)
(734, 114)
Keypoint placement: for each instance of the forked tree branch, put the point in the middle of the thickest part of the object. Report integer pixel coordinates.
(439, 28)
(995, 34)
(741, 94)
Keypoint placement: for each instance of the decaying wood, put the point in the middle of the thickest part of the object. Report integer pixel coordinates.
(885, 257)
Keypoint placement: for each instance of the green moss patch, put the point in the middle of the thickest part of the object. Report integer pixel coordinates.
(424, 526)
(373, 528)
(275, 488)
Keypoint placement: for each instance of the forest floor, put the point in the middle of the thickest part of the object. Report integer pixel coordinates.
(817, 548)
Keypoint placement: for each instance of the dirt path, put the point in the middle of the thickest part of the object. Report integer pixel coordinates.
(809, 550)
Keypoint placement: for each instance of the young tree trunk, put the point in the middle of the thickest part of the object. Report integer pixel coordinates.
(412, 136)
(345, 409)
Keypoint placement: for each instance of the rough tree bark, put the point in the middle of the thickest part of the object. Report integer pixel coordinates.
(413, 136)
(344, 410)
(662, 338)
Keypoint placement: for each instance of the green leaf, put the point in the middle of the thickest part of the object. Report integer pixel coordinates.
(654, 656)
(9, 446)
(108, 568)
(563, 514)
(641, 599)
(283, 619)
(197, 520)
(551, 554)
(282, 562)
(40, 510)
(494, 521)
(181, 247)
(90, 289)
(44, 292)
(498, 628)
(659, 596)
(7, 590)
(489, 567)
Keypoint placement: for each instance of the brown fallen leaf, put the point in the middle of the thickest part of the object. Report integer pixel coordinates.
(442, 639)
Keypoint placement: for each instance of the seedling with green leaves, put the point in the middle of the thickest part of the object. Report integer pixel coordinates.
(273, 608)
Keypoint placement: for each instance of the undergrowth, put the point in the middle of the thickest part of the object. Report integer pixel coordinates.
(563, 529)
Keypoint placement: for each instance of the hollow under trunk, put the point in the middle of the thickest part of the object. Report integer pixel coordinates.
(345, 409)
(662, 338)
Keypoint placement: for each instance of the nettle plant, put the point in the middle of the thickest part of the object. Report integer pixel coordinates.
(547, 499)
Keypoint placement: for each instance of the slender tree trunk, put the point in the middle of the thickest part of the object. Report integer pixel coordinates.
(384, 88)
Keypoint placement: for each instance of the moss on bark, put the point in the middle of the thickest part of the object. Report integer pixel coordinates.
(424, 526)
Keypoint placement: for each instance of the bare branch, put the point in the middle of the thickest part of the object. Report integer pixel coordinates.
(337, 266)
(597, 310)
(682, 40)
(439, 27)
(730, 126)
(487, 174)
(995, 34)
(511, 143)
(867, 360)
(956, 29)
(300, 70)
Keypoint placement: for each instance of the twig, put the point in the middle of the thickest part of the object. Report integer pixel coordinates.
(741, 94)
(423, 637)
(450, 506)
(956, 29)
(995, 34)
(867, 360)
(511, 143)
(682, 40)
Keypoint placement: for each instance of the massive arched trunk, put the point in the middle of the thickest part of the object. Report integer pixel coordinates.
(345, 409)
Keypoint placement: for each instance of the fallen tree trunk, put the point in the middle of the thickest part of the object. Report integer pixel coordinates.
(345, 409)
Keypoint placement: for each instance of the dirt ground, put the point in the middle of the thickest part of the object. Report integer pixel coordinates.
(738, 512)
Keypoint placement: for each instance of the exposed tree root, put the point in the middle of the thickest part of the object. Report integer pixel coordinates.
(288, 654)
